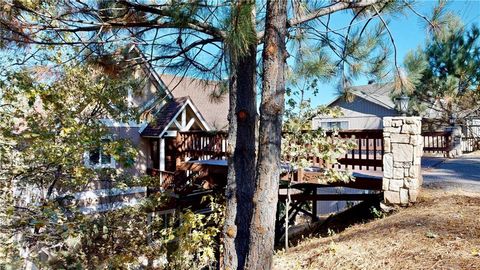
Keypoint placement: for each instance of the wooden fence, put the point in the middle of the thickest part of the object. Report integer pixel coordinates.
(470, 144)
(367, 155)
(439, 142)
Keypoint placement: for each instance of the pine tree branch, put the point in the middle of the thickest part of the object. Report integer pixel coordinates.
(191, 23)
(419, 15)
(72, 25)
(180, 53)
(338, 6)
(395, 58)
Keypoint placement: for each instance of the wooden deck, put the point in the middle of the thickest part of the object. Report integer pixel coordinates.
(201, 158)
(203, 155)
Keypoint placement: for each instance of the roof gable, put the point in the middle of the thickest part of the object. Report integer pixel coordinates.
(214, 111)
(362, 107)
(379, 94)
(168, 114)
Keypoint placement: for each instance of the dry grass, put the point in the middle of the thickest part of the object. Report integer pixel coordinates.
(441, 231)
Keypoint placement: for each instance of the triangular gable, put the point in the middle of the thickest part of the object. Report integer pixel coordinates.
(214, 113)
(378, 94)
(214, 110)
(149, 72)
(167, 116)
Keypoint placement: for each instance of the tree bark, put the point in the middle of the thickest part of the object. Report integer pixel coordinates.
(242, 157)
(262, 228)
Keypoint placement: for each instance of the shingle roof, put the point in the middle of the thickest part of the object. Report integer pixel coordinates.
(215, 112)
(377, 93)
(164, 117)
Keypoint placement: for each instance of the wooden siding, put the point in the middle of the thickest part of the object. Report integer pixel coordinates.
(360, 114)
(141, 144)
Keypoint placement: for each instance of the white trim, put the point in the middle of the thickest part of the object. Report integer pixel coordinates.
(184, 118)
(151, 137)
(129, 98)
(335, 122)
(199, 115)
(87, 163)
(170, 133)
(190, 124)
(179, 126)
(90, 197)
(174, 120)
(162, 154)
(93, 194)
(100, 208)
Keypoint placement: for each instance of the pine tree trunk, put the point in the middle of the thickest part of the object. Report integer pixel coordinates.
(262, 229)
(242, 157)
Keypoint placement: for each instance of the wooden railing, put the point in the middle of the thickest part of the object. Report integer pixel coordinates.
(176, 181)
(437, 142)
(201, 145)
(165, 178)
(470, 144)
(369, 151)
(367, 155)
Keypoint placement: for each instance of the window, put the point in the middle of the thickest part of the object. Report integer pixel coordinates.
(334, 125)
(97, 158)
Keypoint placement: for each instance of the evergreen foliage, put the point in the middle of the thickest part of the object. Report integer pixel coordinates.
(446, 73)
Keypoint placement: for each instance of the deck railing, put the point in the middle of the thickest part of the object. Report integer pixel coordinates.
(205, 145)
(201, 145)
(470, 144)
(369, 151)
(167, 180)
(439, 142)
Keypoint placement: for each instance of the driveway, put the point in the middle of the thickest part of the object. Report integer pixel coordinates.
(463, 172)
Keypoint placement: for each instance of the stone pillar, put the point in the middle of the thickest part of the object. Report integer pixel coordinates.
(403, 145)
(456, 149)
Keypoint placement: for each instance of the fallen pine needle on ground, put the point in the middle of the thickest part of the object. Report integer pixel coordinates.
(441, 231)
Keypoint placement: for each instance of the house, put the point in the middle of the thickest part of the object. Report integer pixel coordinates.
(167, 104)
(371, 103)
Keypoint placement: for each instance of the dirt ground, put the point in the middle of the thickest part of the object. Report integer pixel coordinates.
(441, 231)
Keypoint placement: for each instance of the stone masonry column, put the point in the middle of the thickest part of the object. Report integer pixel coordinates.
(456, 142)
(403, 144)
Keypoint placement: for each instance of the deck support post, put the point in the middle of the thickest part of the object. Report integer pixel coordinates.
(402, 176)
(161, 158)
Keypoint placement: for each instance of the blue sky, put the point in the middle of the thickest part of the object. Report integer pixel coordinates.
(409, 33)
